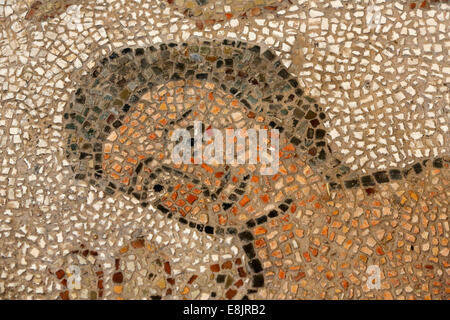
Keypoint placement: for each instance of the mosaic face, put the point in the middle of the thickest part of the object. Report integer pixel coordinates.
(132, 117)
(92, 205)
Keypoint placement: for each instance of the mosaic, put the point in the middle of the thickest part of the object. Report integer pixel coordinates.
(208, 13)
(44, 10)
(144, 270)
(79, 274)
(354, 98)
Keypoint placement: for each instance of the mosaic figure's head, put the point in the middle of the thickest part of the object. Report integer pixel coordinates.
(123, 116)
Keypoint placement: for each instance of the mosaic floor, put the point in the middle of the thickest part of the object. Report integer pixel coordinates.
(93, 207)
